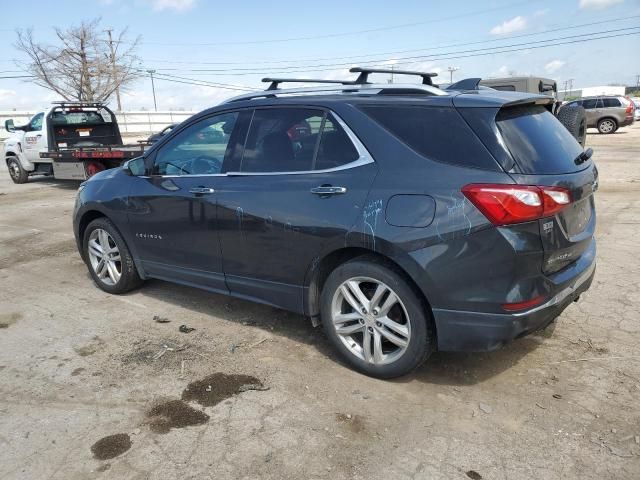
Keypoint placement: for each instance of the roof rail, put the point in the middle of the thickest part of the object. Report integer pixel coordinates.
(276, 81)
(365, 72)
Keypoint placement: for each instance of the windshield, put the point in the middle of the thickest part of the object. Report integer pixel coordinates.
(538, 142)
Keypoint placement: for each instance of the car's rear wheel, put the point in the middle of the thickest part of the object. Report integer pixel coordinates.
(108, 258)
(375, 319)
(607, 125)
(16, 172)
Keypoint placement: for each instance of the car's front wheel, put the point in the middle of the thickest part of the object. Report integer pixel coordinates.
(17, 173)
(375, 319)
(607, 125)
(108, 258)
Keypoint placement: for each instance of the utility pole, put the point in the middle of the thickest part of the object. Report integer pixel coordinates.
(637, 80)
(114, 68)
(451, 70)
(570, 85)
(391, 79)
(153, 88)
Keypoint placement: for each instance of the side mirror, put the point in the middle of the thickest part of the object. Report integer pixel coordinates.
(135, 167)
(9, 126)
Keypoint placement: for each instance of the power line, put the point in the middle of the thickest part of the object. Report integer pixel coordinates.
(477, 42)
(434, 57)
(351, 33)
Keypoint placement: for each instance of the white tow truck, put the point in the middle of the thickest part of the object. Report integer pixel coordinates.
(70, 140)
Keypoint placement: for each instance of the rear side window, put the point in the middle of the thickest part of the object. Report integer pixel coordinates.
(591, 103)
(439, 134)
(295, 139)
(611, 102)
(538, 142)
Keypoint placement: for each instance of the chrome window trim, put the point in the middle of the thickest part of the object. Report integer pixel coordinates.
(364, 158)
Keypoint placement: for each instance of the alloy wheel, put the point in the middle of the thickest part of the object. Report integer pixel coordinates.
(104, 256)
(607, 126)
(370, 320)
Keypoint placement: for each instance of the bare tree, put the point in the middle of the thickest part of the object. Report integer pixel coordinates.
(83, 65)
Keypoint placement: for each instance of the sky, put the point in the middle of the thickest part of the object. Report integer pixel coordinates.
(233, 44)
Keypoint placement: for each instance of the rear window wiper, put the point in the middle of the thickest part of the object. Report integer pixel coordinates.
(584, 156)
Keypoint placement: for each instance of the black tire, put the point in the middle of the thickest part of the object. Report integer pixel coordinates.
(574, 120)
(129, 278)
(607, 125)
(16, 172)
(421, 342)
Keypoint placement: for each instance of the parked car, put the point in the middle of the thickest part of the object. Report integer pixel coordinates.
(410, 219)
(606, 113)
(636, 110)
(153, 138)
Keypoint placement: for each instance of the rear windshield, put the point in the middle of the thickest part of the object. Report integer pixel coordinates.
(538, 142)
(80, 117)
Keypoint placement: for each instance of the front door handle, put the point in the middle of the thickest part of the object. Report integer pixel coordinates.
(201, 190)
(328, 190)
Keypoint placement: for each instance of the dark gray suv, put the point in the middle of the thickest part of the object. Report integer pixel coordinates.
(403, 218)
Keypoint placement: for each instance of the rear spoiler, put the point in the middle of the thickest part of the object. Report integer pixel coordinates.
(466, 84)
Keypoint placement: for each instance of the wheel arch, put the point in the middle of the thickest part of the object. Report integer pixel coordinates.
(608, 117)
(92, 214)
(322, 268)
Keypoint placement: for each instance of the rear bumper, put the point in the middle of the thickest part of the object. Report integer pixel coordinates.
(477, 331)
(626, 122)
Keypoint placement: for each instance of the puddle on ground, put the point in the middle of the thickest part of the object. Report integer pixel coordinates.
(217, 387)
(111, 446)
(7, 319)
(473, 475)
(174, 414)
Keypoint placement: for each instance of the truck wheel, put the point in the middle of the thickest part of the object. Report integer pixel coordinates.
(93, 167)
(18, 174)
(108, 258)
(574, 120)
(607, 125)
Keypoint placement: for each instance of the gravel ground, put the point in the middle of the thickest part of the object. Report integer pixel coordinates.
(92, 386)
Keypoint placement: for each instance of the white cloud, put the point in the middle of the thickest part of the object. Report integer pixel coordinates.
(554, 66)
(599, 4)
(510, 26)
(178, 5)
(503, 71)
(541, 13)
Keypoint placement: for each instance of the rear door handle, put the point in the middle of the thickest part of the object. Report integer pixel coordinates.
(201, 190)
(328, 190)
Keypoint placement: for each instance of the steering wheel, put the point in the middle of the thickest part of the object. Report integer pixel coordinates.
(197, 165)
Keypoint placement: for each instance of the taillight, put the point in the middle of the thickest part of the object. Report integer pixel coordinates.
(514, 307)
(509, 204)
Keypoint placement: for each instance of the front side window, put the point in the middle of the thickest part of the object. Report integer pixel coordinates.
(35, 125)
(295, 139)
(197, 150)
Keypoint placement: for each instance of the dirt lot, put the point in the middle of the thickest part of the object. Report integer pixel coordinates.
(92, 386)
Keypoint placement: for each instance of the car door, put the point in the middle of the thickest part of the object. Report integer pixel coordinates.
(293, 191)
(590, 109)
(34, 138)
(172, 211)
